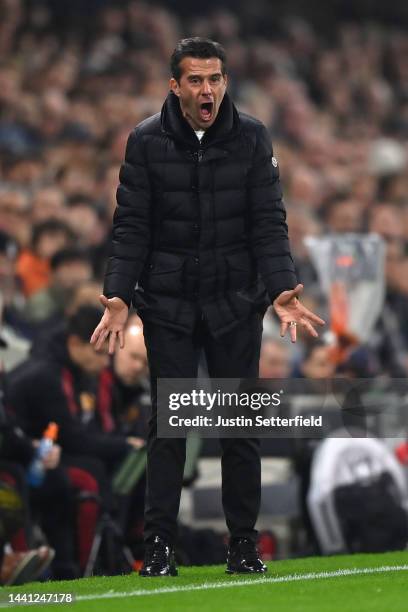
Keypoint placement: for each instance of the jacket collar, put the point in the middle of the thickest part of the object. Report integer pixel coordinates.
(226, 125)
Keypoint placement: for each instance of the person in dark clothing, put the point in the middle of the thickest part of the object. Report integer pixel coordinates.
(69, 269)
(17, 566)
(50, 503)
(200, 231)
(68, 383)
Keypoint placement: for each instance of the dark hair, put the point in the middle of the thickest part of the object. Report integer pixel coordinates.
(8, 246)
(310, 346)
(83, 322)
(79, 199)
(50, 226)
(69, 255)
(203, 48)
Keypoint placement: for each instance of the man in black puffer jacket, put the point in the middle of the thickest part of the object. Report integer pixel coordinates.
(200, 233)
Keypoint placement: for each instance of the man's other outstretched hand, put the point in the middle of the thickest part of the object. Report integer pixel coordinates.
(112, 324)
(292, 313)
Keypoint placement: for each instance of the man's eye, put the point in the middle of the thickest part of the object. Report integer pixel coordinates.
(215, 79)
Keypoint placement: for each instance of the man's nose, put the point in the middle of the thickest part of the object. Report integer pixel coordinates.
(206, 88)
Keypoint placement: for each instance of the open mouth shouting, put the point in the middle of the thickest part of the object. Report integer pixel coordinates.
(206, 111)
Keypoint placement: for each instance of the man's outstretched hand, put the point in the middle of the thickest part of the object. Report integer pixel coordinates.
(292, 313)
(112, 324)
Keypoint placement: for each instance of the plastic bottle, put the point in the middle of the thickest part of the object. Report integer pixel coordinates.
(36, 469)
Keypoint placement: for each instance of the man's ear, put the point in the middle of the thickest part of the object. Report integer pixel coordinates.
(175, 87)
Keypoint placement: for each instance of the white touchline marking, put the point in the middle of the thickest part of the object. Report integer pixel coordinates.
(226, 585)
(265, 580)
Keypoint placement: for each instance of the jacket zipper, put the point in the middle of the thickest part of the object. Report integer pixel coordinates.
(198, 155)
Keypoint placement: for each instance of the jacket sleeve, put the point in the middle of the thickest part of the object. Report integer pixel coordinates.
(14, 444)
(131, 223)
(269, 232)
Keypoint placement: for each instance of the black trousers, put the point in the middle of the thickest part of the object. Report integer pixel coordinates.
(173, 354)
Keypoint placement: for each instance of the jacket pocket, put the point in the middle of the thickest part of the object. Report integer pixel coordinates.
(240, 271)
(165, 273)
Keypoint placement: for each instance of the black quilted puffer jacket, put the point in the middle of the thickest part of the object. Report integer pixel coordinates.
(199, 224)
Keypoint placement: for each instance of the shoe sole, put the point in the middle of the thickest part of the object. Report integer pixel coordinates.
(171, 573)
(230, 571)
(25, 571)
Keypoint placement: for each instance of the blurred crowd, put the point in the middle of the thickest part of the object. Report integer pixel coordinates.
(337, 110)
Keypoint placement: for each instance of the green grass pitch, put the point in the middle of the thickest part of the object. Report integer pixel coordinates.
(358, 583)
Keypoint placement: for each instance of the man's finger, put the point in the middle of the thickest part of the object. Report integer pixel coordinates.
(309, 328)
(102, 337)
(121, 339)
(95, 335)
(104, 300)
(316, 319)
(289, 294)
(312, 316)
(293, 293)
(283, 328)
(292, 330)
(112, 342)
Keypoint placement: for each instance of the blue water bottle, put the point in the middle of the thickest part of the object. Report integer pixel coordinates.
(36, 469)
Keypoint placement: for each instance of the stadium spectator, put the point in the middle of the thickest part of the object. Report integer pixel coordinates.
(67, 382)
(14, 347)
(87, 221)
(33, 264)
(131, 409)
(47, 203)
(49, 505)
(343, 215)
(14, 219)
(317, 361)
(131, 402)
(70, 268)
(71, 385)
(275, 359)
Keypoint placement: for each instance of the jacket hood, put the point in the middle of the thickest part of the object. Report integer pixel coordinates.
(225, 126)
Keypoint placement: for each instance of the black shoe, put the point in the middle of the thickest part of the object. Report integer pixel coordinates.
(159, 559)
(243, 558)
